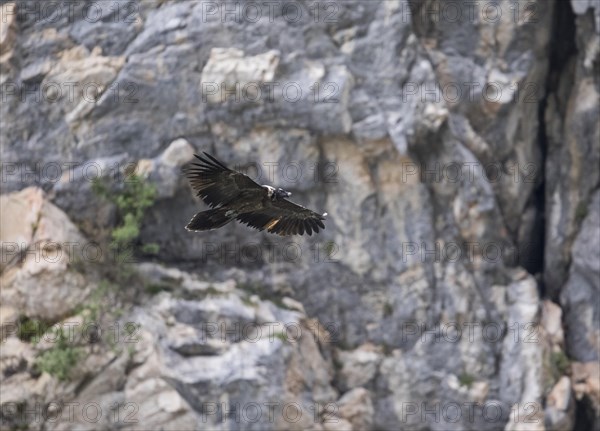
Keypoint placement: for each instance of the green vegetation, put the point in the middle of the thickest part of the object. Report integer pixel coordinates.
(466, 379)
(31, 330)
(281, 336)
(60, 359)
(151, 248)
(555, 365)
(212, 291)
(64, 354)
(155, 288)
(93, 307)
(330, 247)
(560, 363)
(132, 199)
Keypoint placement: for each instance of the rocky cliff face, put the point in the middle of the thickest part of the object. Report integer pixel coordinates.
(455, 146)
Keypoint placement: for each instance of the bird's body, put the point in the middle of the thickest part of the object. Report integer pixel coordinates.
(235, 196)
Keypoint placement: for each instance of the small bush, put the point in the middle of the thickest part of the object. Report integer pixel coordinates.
(560, 363)
(59, 360)
(466, 379)
(150, 248)
(330, 248)
(132, 199)
(31, 330)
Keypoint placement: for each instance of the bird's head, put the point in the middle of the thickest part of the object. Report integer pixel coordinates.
(281, 194)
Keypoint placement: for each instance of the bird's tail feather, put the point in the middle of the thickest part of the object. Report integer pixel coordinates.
(207, 220)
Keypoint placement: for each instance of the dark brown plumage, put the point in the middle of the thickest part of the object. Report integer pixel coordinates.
(234, 196)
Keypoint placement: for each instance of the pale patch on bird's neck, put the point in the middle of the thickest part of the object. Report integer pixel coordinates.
(270, 190)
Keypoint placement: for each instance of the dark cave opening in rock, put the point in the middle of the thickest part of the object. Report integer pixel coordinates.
(562, 48)
(563, 51)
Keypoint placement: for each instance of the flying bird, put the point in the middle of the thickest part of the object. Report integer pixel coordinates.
(232, 195)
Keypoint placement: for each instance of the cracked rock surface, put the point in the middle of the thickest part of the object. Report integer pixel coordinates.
(457, 160)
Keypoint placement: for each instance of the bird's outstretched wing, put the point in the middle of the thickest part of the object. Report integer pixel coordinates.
(284, 218)
(216, 184)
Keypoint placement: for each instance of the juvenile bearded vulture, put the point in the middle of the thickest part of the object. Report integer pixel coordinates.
(234, 196)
